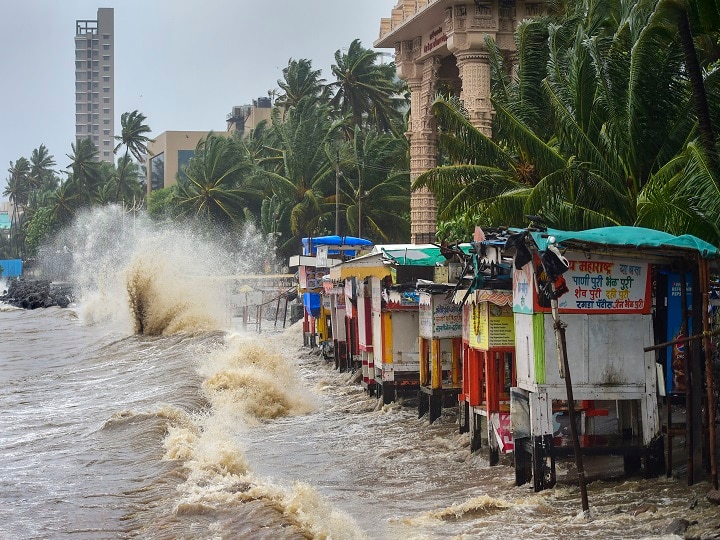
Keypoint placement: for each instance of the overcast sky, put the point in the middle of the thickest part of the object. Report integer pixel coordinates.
(182, 63)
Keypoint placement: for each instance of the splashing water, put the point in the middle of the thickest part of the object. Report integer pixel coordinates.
(153, 279)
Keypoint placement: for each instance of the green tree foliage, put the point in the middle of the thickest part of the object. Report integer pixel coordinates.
(161, 203)
(212, 187)
(376, 187)
(39, 229)
(299, 171)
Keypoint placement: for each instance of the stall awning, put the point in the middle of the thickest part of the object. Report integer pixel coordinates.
(373, 265)
(624, 236)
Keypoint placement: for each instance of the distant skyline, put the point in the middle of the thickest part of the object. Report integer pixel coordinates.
(184, 64)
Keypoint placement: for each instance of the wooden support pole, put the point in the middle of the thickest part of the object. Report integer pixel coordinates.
(436, 365)
(689, 439)
(456, 361)
(560, 328)
(424, 372)
(705, 284)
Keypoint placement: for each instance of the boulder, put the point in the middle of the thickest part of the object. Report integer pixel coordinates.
(33, 294)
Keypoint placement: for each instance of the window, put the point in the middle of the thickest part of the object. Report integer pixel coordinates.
(106, 36)
(89, 85)
(106, 143)
(106, 121)
(157, 171)
(106, 100)
(106, 79)
(106, 154)
(106, 68)
(89, 117)
(106, 132)
(106, 89)
(106, 47)
(183, 159)
(106, 57)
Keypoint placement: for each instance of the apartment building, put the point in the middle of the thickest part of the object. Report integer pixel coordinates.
(95, 82)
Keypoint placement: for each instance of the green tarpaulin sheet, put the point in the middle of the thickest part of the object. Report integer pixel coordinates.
(628, 236)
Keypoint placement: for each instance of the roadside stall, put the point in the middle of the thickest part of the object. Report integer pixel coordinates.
(318, 256)
(586, 363)
(382, 304)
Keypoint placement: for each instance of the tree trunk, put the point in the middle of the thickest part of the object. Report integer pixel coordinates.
(700, 103)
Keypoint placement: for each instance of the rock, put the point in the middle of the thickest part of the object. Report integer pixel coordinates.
(713, 496)
(643, 508)
(677, 527)
(35, 294)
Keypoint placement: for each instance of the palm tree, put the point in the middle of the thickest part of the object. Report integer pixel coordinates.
(376, 181)
(64, 202)
(125, 180)
(86, 175)
(300, 81)
(211, 188)
(297, 169)
(365, 90)
(18, 191)
(41, 169)
(135, 140)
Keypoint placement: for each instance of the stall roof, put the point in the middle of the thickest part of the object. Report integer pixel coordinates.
(426, 255)
(373, 264)
(625, 236)
(348, 244)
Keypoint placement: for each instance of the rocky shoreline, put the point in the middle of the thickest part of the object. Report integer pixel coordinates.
(33, 294)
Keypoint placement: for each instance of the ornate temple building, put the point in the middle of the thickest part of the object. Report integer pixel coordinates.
(441, 44)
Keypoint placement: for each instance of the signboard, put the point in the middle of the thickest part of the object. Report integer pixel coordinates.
(606, 285)
(322, 256)
(433, 40)
(675, 359)
(310, 277)
(440, 319)
(491, 326)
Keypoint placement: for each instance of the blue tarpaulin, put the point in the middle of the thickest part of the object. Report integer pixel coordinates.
(347, 244)
(311, 301)
(11, 268)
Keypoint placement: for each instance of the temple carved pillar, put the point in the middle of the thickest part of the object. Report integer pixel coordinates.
(421, 77)
(474, 67)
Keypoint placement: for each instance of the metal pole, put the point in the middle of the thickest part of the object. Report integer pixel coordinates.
(337, 194)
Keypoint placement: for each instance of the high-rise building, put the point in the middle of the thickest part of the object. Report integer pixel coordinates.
(95, 82)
